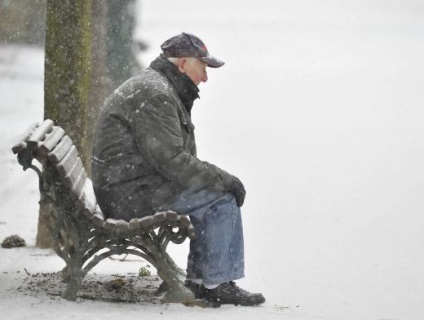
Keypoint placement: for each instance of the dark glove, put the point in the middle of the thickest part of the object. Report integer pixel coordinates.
(237, 189)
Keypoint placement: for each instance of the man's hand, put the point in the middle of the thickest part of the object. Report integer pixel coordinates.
(237, 189)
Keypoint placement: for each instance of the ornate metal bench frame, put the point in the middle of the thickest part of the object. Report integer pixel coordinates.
(81, 235)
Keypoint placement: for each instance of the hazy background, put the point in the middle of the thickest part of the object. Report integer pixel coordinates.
(319, 111)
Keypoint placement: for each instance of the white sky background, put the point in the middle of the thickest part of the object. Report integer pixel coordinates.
(319, 111)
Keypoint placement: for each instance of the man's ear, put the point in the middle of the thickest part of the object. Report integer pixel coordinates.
(181, 63)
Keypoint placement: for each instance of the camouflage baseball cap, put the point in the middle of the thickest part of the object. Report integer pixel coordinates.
(188, 45)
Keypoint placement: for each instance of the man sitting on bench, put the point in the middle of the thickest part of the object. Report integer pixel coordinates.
(144, 160)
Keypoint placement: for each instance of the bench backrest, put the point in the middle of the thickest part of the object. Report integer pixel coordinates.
(56, 152)
(52, 147)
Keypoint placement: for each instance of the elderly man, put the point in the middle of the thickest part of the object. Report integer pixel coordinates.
(144, 160)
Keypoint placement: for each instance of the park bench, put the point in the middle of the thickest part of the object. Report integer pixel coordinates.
(81, 235)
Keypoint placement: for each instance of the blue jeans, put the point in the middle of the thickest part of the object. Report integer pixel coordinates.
(217, 253)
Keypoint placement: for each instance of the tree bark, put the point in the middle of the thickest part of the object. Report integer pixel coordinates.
(67, 79)
(88, 52)
(67, 73)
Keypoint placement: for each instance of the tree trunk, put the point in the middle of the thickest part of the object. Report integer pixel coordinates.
(67, 73)
(67, 79)
(89, 51)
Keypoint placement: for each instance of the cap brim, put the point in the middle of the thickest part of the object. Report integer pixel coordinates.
(212, 61)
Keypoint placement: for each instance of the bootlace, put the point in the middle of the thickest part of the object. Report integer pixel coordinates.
(232, 288)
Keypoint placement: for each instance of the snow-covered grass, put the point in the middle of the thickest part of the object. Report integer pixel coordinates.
(319, 110)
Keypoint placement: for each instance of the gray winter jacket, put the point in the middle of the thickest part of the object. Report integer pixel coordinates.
(144, 152)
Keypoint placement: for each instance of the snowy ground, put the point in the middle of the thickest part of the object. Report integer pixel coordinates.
(319, 110)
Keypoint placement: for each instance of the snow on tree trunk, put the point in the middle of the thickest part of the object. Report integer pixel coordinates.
(89, 51)
(67, 79)
(68, 68)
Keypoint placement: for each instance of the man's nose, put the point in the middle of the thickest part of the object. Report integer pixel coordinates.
(205, 77)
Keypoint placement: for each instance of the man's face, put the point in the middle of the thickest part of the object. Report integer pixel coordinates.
(195, 69)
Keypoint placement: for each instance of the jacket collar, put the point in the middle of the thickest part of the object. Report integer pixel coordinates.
(186, 88)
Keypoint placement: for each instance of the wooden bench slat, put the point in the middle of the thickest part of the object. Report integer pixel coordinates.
(98, 220)
(146, 222)
(87, 199)
(184, 221)
(134, 225)
(159, 217)
(22, 143)
(110, 225)
(73, 174)
(171, 216)
(68, 162)
(77, 187)
(122, 227)
(39, 134)
(51, 140)
(99, 211)
(118, 226)
(60, 150)
(90, 215)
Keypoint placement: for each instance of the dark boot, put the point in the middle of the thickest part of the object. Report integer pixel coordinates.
(197, 289)
(229, 293)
